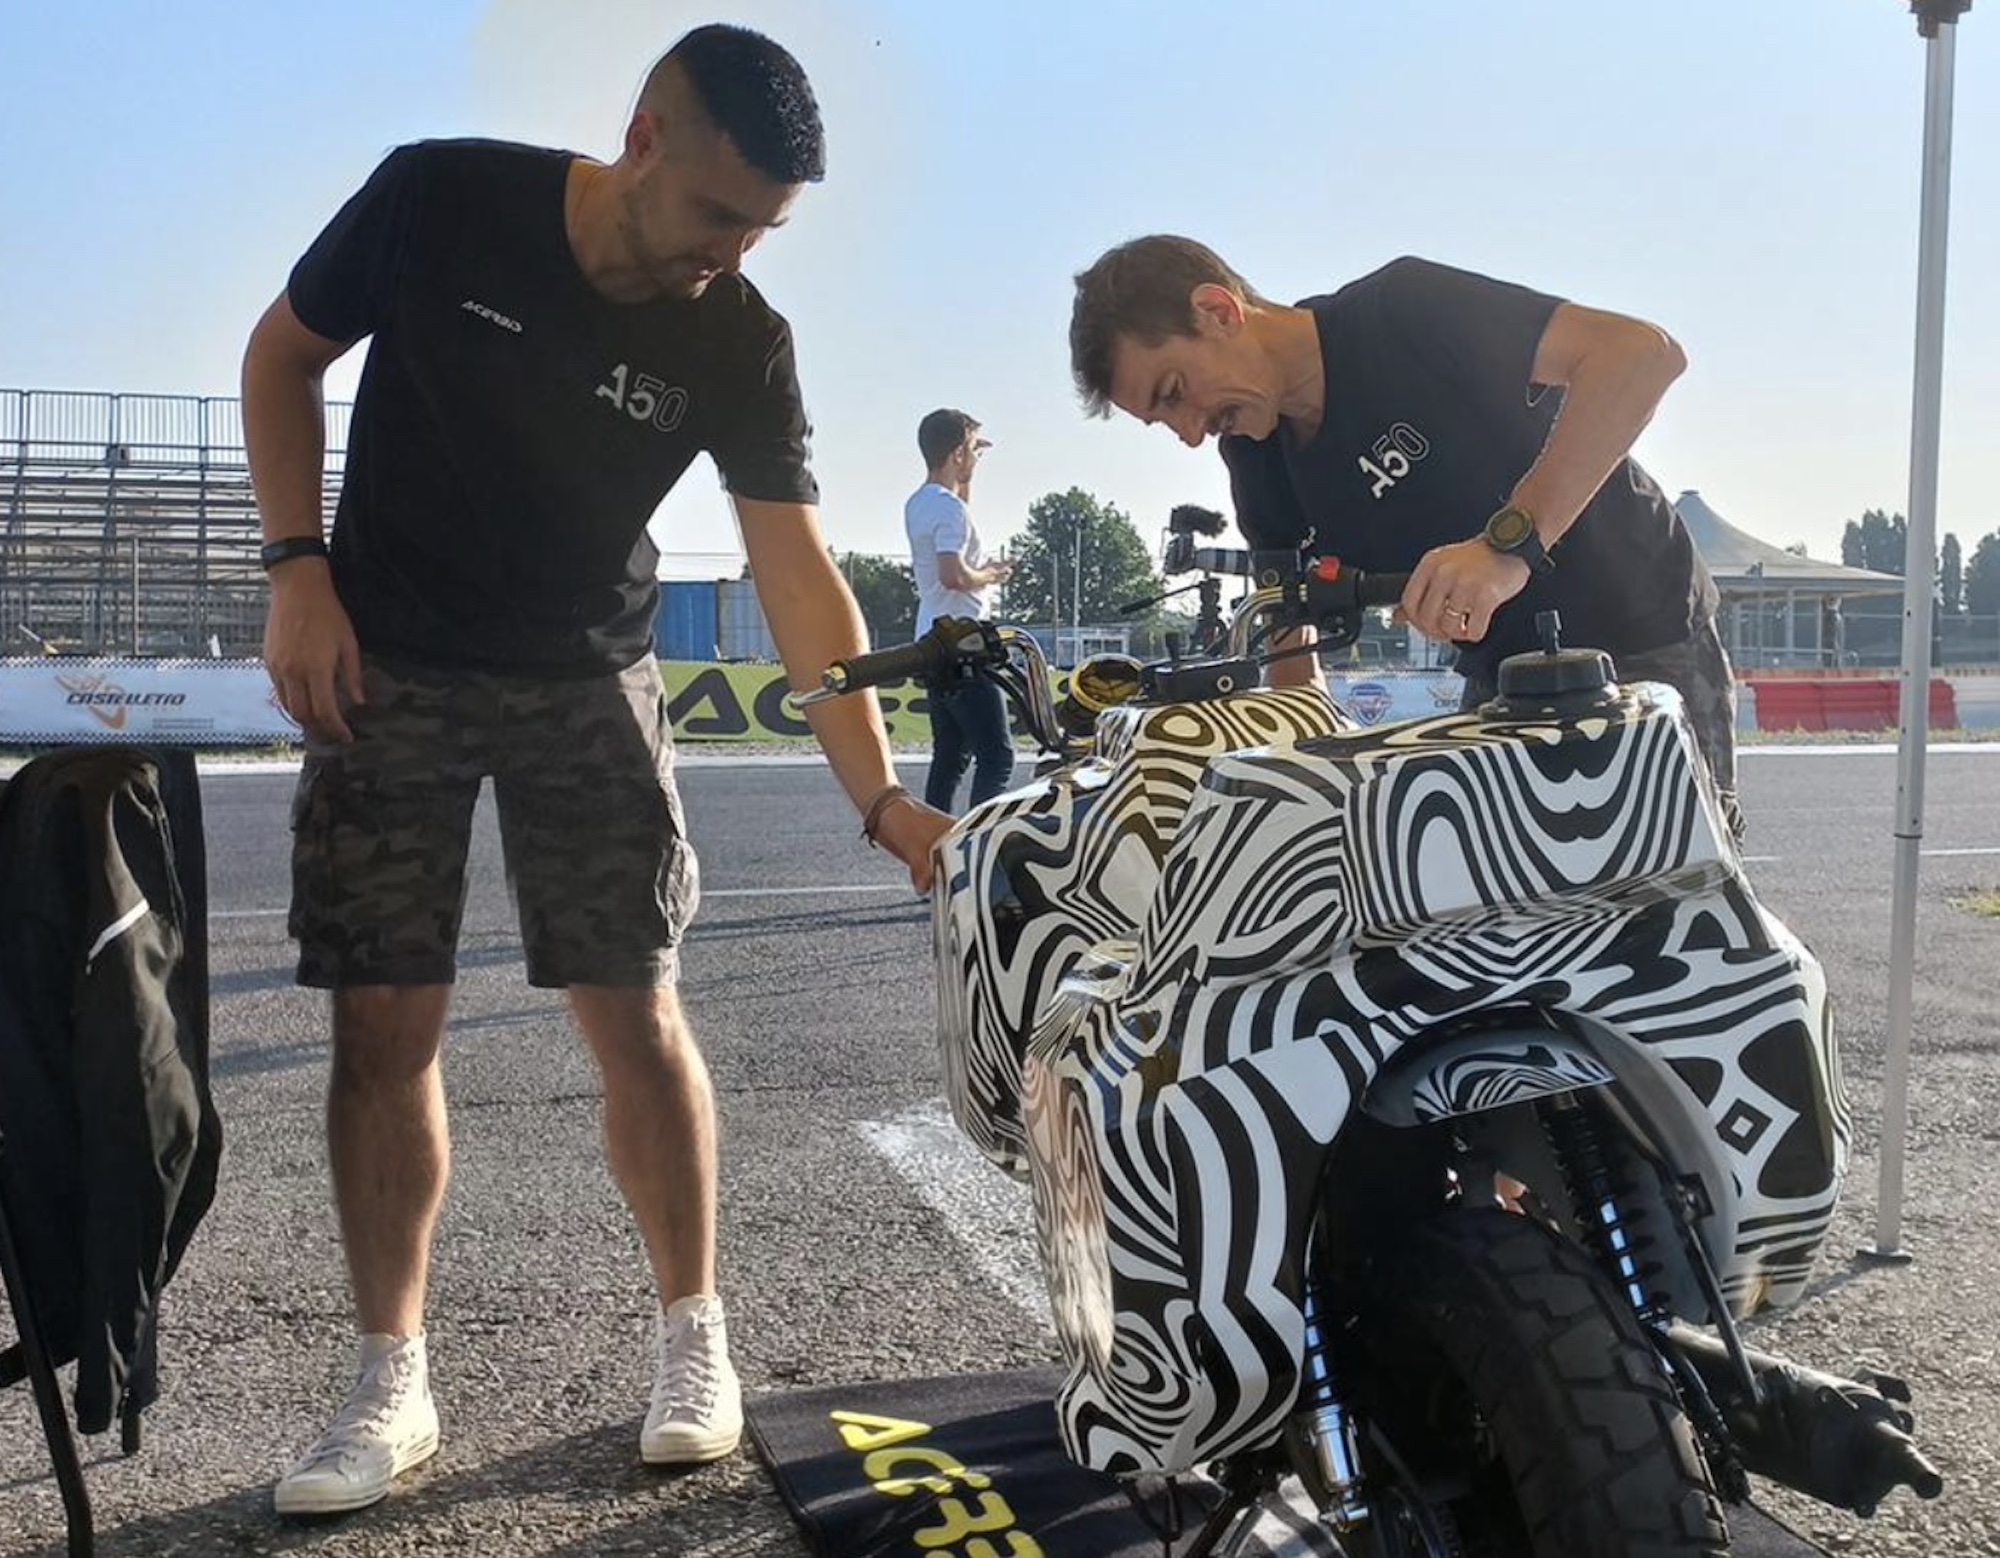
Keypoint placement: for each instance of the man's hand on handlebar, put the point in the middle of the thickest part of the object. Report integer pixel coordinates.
(1455, 590)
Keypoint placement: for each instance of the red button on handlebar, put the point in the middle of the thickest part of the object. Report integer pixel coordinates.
(1326, 570)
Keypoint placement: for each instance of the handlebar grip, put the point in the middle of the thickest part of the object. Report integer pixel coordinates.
(1331, 588)
(904, 662)
(951, 642)
(1380, 589)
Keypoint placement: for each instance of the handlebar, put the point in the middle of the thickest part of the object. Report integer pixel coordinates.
(1322, 594)
(1290, 591)
(951, 643)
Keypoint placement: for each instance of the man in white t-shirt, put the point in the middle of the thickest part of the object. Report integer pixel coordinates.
(968, 720)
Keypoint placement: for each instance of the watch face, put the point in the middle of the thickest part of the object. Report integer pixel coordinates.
(1509, 528)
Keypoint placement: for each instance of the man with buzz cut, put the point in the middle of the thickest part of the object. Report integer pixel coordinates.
(554, 340)
(1475, 433)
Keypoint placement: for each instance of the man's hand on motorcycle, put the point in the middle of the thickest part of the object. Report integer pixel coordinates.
(910, 831)
(310, 651)
(1454, 590)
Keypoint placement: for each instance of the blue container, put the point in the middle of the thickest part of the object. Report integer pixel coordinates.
(684, 628)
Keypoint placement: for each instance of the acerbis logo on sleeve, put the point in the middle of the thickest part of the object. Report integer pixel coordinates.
(493, 315)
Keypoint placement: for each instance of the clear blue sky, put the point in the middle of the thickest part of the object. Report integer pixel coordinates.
(1745, 175)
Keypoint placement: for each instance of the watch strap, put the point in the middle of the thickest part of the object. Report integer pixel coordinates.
(1536, 556)
(272, 553)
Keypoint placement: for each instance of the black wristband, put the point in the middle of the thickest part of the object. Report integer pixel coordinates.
(272, 553)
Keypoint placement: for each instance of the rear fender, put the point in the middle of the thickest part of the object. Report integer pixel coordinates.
(1478, 1073)
(1482, 1073)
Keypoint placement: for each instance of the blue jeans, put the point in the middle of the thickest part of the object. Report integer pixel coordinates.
(968, 725)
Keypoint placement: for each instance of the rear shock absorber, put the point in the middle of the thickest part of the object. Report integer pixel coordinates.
(1603, 1203)
(1323, 1427)
(1605, 1212)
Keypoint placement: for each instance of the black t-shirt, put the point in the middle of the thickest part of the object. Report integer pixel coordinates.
(514, 429)
(1430, 422)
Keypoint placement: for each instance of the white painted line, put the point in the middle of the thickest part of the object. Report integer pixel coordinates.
(1927, 854)
(989, 1214)
(993, 1218)
(1860, 749)
(706, 894)
(804, 892)
(224, 767)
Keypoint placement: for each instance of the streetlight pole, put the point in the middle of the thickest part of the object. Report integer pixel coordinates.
(1937, 24)
(1076, 598)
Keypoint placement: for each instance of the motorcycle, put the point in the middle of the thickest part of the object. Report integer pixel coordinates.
(1416, 1109)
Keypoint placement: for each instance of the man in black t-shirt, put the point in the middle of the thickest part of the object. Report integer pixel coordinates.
(553, 341)
(1472, 432)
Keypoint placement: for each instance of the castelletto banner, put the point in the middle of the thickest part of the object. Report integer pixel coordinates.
(205, 703)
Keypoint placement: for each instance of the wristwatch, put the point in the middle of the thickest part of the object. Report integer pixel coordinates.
(1512, 531)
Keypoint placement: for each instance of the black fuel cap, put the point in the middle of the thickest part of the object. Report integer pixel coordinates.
(1554, 679)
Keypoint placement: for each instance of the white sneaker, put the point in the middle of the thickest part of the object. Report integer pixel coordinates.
(388, 1425)
(697, 1409)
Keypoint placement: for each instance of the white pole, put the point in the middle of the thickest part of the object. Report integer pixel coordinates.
(1076, 600)
(1917, 585)
(1055, 600)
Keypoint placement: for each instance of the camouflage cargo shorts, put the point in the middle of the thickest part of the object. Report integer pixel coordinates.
(591, 826)
(1699, 670)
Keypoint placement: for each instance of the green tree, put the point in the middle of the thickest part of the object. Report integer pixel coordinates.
(887, 593)
(1982, 578)
(1876, 540)
(1076, 546)
(1951, 577)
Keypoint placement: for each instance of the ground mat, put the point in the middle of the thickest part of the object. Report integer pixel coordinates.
(940, 1466)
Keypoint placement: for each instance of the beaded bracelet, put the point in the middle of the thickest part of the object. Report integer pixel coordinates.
(883, 799)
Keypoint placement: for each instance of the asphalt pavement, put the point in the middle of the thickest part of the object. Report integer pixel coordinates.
(859, 1241)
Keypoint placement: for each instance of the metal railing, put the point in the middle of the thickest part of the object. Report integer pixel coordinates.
(128, 526)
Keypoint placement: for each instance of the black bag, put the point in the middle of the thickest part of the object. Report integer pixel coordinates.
(111, 1141)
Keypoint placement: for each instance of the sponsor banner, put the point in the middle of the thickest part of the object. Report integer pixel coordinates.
(222, 703)
(710, 702)
(58, 701)
(1389, 696)
(707, 701)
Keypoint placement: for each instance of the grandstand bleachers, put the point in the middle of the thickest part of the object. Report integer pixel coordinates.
(127, 525)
